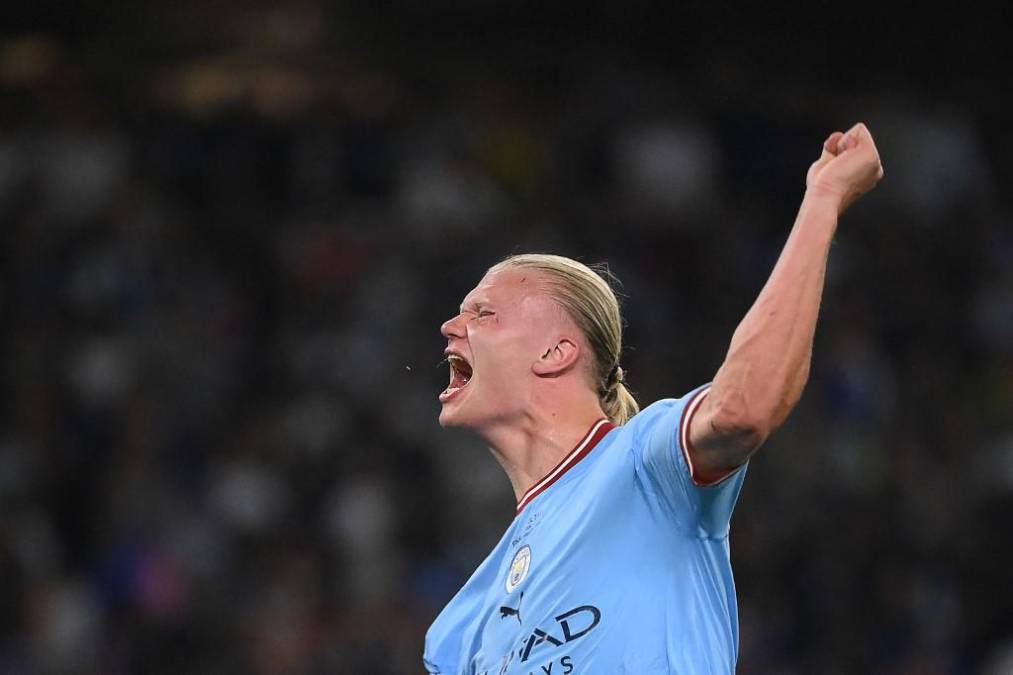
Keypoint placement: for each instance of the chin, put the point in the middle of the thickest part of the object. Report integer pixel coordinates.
(450, 418)
(453, 412)
(454, 415)
(446, 420)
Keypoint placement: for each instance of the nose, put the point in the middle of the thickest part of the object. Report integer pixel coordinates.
(453, 327)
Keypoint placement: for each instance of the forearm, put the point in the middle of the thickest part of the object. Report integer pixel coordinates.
(767, 364)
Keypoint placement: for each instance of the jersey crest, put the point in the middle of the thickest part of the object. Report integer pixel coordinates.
(519, 568)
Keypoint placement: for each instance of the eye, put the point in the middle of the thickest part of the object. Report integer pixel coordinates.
(485, 313)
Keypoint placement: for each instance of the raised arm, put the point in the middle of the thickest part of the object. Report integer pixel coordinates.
(767, 364)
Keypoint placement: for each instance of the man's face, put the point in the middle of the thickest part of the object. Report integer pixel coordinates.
(505, 324)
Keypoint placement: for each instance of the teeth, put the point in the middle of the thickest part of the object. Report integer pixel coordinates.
(459, 364)
(460, 371)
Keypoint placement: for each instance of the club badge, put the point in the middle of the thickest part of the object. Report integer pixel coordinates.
(519, 568)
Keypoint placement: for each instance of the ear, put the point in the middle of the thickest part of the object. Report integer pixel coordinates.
(557, 359)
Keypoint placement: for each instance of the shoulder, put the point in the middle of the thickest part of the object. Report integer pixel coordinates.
(650, 417)
(666, 414)
(631, 440)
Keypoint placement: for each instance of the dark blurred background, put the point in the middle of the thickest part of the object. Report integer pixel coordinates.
(230, 231)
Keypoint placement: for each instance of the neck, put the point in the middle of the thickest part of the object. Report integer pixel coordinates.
(531, 444)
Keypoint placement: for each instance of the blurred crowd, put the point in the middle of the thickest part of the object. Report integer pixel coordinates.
(223, 274)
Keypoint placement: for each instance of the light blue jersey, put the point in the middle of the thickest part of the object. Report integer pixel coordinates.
(616, 563)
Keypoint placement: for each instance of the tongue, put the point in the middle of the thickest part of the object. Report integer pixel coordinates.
(460, 379)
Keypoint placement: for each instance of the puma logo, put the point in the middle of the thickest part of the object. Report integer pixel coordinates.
(504, 612)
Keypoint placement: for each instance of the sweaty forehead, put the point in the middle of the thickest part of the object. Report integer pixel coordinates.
(509, 288)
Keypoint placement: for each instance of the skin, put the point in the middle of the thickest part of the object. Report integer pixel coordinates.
(768, 360)
(530, 397)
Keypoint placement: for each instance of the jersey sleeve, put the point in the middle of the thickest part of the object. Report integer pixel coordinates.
(665, 468)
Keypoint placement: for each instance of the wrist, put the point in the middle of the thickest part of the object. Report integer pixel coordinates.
(822, 196)
(819, 214)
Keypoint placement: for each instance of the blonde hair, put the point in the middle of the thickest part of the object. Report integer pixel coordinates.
(587, 297)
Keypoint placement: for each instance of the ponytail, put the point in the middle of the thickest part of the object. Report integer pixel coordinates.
(616, 400)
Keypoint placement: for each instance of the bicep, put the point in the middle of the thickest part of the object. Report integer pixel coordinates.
(715, 442)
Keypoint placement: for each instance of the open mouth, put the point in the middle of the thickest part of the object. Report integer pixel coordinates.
(460, 376)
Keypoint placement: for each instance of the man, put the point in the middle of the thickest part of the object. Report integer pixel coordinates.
(617, 560)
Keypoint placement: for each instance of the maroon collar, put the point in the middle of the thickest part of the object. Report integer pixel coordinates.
(583, 448)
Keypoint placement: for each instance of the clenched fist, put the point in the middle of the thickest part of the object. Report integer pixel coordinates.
(848, 168)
